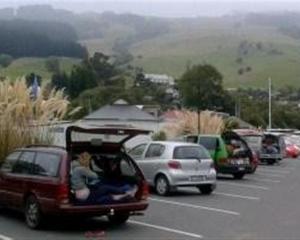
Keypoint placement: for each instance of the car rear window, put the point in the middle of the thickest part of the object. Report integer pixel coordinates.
(46, 164)
(192, 139)
(210, 143)
(253, 141)
(88, 137)
(190, 152)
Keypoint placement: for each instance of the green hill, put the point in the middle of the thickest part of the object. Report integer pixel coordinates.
(268, 54)
(247, 53)
(24, 66)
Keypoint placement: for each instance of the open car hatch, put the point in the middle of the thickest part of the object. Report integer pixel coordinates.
(104, 135)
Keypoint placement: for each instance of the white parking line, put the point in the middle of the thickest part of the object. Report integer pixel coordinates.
(278, 167)
(243, 185)
(237, 196)
(273, 171)
(269, 175)
(166, 229)
(289, 168)
(3, 237)
(263, 180)
(195, 206)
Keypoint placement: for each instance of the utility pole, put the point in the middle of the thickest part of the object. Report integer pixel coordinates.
(238, 106)
(270, 103)
(199, 120)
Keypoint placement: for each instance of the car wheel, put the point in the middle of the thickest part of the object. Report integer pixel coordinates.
(162, 186)
(206, 189)
(253, 170)
(238, 175)
(33, 214)
(271, 161)
(118, 218)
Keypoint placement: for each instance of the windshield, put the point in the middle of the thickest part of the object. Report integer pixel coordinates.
(254, 142)
(87, 137)
(190, 152)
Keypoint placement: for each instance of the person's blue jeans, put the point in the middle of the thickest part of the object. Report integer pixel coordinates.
(102, 192)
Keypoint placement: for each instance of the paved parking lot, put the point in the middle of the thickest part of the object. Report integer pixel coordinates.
(261, 206)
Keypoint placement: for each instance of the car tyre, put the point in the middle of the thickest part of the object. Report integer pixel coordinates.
(206, 189)
(162, 185)
(238, 176)
(253, 170)
(271, 161)
(118, 218)
(33, 214)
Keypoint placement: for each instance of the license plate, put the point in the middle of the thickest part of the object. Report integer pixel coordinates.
(241, 168)
(240, 161)
(197, 178)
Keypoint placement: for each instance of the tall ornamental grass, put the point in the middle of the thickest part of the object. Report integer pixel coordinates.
(187, 123)
(24, 120)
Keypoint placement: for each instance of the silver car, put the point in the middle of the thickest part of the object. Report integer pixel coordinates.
(168, 165)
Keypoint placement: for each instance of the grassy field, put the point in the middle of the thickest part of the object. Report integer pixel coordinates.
(219, 46)
(216, 41)
(24, 66)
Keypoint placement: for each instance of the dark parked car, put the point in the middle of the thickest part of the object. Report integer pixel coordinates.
(36, 179)
(273, 148)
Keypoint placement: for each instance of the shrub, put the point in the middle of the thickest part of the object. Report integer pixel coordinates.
(5, 60)
(26, 121)
(187, 123)
(231, 123)
(159, 136)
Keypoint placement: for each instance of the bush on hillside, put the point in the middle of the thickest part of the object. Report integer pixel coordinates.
(5, 60)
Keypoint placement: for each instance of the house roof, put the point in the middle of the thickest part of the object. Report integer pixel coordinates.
(120, 110)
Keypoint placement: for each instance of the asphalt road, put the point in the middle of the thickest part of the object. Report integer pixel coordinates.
(261, 206)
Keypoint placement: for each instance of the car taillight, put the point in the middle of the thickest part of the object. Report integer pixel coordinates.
(63, 193)
(174, 164)
(145, 191)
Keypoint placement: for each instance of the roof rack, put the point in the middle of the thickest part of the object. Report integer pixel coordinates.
(45, 146)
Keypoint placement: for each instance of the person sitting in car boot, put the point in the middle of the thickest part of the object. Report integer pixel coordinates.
(82, 175)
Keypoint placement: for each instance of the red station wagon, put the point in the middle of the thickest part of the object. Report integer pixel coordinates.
(36, 179)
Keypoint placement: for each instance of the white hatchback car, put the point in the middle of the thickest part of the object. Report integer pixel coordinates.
(168, 165)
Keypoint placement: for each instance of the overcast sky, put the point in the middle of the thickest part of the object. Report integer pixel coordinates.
(166, 8)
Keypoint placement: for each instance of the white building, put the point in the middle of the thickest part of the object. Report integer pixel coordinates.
(160, 79)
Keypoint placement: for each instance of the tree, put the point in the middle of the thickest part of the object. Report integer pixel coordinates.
(92, 72)
(201, 88)
(81, 78)
(102, 67)
(5, 60)
(21, 38)
(60, 81)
